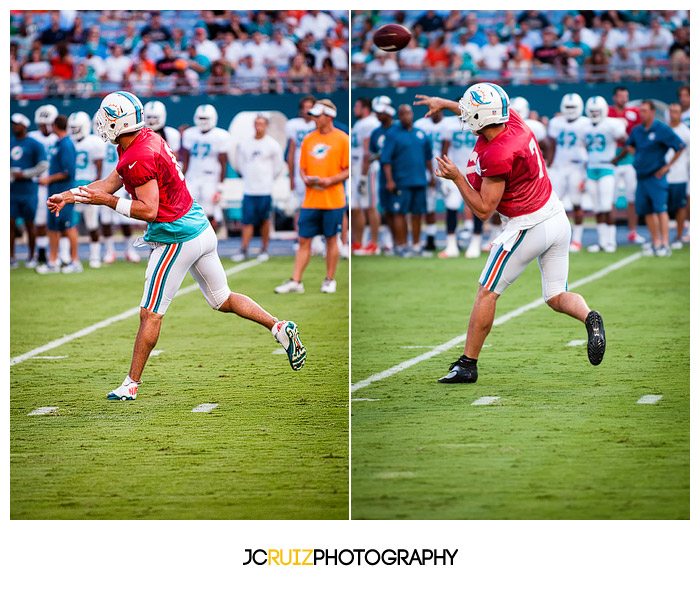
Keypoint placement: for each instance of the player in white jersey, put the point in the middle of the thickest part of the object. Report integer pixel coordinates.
(569, 161)
(296, 129)
(109, 217)
(259, 161)
(44, 117)
(90, 152)
(522, 106)
(458, 145)
(156, 115)
(601, 137)
(678, 175)
(206, 158)
(362, 211)
(431, 127)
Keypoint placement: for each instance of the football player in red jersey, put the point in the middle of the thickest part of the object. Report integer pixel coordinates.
(506, 174)
(178, 231)
(624, 171)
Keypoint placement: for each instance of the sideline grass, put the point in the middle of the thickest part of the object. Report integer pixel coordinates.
(565, 439)
(276, 447)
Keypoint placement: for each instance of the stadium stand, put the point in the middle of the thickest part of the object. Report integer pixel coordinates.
(90, 53)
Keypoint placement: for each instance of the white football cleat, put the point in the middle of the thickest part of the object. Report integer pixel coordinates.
(575, 247)
(287, 334)
(73, 267)
(32, 263)
(328, 286)
(127, 391)
(110, 258)
(290, 286)
(263, 257)
(48, 268)
(239, 257)
(474, 249)
(95, 263)
(132, 256)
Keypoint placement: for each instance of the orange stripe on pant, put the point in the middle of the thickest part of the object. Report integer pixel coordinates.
(494, 272)
(159, 276)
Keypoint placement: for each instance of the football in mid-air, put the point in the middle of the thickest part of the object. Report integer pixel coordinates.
(392, 37)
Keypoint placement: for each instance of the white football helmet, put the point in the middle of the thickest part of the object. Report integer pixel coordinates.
(120, 113)
(382, 104)
(205, 117)
(156, 115)
(522, 106)
(79, 125)
(596, 109)
(571, 106)
(46, 114)
(483, 104)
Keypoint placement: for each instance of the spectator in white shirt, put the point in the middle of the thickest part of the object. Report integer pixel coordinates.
(116, 64)
(249, 75)
(634, 39)
(316, 22)
(412, 57)
(281, 50)
(494, 53)
(658, 38)
(205, 47)
(382, 70)
(258, 49)
(328, 50)
(36, 68)
(233, 49)
(463, 46)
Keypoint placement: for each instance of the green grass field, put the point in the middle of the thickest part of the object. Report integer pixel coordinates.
(565, 440)
(276, 447)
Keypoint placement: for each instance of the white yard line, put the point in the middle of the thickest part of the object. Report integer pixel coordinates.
(43, 410)
(457, 340)
(206, 407)
(485, 400)
(650, 399)
(118, 318)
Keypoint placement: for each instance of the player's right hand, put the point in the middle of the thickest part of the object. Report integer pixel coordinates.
(391, 186)
(434, 104)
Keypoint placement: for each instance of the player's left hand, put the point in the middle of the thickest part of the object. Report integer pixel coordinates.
(446, 168)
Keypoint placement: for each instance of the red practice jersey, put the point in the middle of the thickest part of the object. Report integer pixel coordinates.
(149, 157)
(629, 114)
(514, 155)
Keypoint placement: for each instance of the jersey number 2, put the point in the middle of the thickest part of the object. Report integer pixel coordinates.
(534, 149)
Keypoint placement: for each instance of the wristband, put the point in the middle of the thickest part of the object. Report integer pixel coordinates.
(123, 207)
(76, 192)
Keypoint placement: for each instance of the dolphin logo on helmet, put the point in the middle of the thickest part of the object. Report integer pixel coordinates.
(483, 104)
(120, 113)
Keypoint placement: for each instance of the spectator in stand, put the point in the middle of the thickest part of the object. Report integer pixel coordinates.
(455, 20)
(610, 38)
(154, 51)
(240, 31)
(249, 75)
(219, 82)
(141, 78)
(431, 21)
(679, 54)
(412, 56)
(261, 24)
(475, 33)
(87, 83)
(576, 49)
(365, 54)
(494, 54)
(597, 66)
(281, 50)
(179, 42)
(316, 22)
(526, 38)
(437, 55)
(299, 76)
(464, 46)
(658, 38)
(549, 53)
(94, 44)
(197, 62)
(507, 27)
(684, 100)
(625, 65)
(326, 78)
(147, 64)
(167, 64)
(61, 67)
(258, 48)
(36, 68)
(634, 39)
(535, 18)
(16, 87)
(78, 34)
(233, 49)
(215, 28)
(519, 68)
(205, 47)
(586, 36)
(155, 29)
(116, 64)
(54, 34)
(383, 70)
(130, 40)
(273, 82)
(336, 54)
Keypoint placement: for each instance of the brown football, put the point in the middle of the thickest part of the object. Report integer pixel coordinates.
(392, 37)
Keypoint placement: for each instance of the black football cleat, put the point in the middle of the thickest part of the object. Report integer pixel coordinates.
(596, 337)
(460, 373)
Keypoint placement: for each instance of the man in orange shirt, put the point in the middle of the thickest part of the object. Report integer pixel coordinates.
(324, 165)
